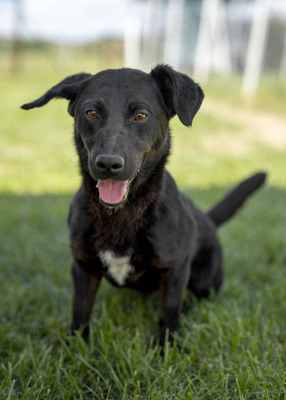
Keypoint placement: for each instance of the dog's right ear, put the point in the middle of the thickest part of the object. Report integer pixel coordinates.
(66, 89)
(181, 95)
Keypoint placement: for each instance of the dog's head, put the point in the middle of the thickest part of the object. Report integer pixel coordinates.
(121, 122)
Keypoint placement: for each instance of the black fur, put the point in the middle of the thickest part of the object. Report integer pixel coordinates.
(166, 243)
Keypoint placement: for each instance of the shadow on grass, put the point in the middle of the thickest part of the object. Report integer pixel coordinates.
(35, 283)
(33, 228)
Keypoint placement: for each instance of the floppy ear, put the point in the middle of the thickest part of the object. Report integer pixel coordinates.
(181, 95)
(66, 89)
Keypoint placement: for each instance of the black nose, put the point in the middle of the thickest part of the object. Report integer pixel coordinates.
(109, 165)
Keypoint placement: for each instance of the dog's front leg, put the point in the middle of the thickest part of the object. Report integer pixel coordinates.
(173, 287)
(85, 288)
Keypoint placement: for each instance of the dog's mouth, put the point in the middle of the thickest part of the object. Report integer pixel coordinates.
(113, 193)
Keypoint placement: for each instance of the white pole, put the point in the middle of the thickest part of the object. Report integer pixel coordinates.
(202, 60)
(221, 48)
(132, 35)
(212, 49)
(282, 70)
(256, 47)
(173, 36)
(151, 33)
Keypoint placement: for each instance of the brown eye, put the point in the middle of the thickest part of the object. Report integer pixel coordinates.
(140, 117)
(92, 114)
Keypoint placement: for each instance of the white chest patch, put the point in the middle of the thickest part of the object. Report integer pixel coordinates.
(119, 267)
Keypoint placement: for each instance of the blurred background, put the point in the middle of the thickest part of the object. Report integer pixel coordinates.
(202, 37)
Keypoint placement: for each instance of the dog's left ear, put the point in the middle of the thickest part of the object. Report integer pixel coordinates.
(181, 95)
(66, 89)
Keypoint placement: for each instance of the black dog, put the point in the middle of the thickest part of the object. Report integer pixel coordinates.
(128, 221)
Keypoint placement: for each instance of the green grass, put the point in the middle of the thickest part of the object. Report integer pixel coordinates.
(232, 347)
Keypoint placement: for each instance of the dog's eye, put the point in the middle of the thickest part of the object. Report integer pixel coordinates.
(92, 114)
(140, 117)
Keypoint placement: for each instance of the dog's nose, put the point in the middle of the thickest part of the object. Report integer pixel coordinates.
(109, 164)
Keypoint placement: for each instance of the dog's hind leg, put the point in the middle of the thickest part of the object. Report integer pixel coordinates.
(85, 288)
(207, 272)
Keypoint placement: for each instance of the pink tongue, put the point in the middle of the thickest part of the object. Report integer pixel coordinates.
(112, 192)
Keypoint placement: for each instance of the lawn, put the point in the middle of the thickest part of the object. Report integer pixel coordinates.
(233, 346)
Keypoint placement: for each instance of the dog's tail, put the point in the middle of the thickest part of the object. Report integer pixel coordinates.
(225, 209)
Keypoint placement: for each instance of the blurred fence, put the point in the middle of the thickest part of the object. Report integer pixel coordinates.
(209, 37)
(202, 37)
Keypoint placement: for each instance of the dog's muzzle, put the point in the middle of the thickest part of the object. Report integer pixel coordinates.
(113, 191)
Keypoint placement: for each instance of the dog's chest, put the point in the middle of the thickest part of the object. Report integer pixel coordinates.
(119, 267)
